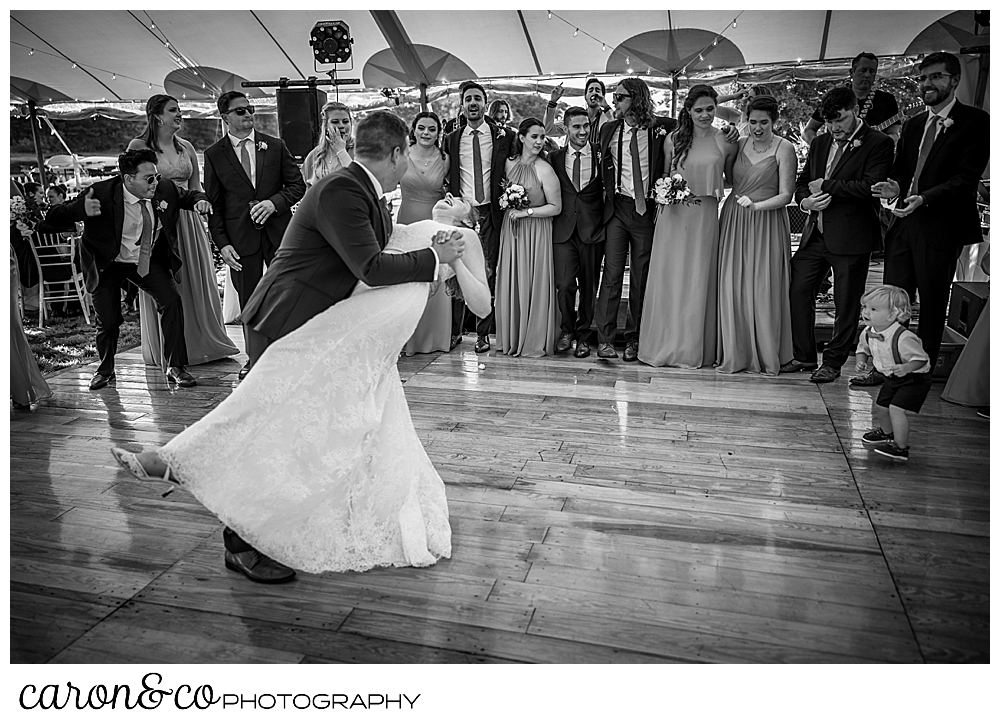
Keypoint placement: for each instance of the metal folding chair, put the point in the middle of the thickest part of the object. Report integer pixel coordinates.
(60, 279)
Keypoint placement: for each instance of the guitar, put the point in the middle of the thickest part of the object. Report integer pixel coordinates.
(901, 116)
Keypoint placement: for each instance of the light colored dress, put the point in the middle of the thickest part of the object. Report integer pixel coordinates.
(526, 290)
(680, 306)
(969, 381)
(421, 189)
(313, 459)
(755, 323)
(204, 331)
(27, 384)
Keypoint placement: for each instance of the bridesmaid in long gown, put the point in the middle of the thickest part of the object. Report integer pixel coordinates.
(422, 186)
(27, 384)
(204, 330)
(526, 290)
(680, 307)
(755, 326)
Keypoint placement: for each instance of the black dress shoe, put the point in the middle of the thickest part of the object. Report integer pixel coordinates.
(181, 377)
(456, 339)
(98, 380)
(245, 371)
(482, 344)
(258, 568)
(606, 351)
(631, 352)
(796, 366)
(582, 349)
(564, 342)
(873, 378)
(826, 373)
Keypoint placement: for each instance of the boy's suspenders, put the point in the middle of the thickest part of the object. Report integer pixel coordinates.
(895, 343)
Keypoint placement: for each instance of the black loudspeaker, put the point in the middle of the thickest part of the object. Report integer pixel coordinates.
(298, 119)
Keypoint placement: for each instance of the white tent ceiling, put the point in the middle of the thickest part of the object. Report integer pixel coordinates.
(118, 55)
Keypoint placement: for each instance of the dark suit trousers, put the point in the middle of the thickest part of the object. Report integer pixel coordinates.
(489, 234)
(629, 236)
(246, 280)
(575, 265)
(810, 266)
(915, 266)
(159, 284)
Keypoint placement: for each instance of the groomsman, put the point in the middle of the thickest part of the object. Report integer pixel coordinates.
(874, 106)
(941, 157)
(598, 110)
(841, 232)
(578, 231)
(478, 151)
(253, 182)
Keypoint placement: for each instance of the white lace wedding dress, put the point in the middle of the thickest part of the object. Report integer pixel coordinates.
(313, 459)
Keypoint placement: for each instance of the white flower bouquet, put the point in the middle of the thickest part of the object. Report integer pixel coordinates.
(674, 189)
(514, 196)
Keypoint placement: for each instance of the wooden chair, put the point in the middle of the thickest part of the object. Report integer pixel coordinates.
(60, 279)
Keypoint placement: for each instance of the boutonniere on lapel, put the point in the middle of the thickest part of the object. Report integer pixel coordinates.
(162, 206)
(856, 143)
(661, 131)
(946, 124)
(262, 145)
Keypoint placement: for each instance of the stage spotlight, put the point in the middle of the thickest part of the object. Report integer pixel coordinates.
(331, 41)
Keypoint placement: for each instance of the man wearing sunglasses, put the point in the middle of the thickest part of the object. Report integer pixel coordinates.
(130, 232)
(253, 182)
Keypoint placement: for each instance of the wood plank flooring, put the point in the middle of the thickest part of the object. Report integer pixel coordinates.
(601, 512)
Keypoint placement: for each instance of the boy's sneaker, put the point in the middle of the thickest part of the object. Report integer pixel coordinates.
(873, 438)
(892, 450)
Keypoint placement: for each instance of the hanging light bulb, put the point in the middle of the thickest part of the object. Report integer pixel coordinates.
(603, 46)
(73, 66)
(710, 67)
(114, 76)
(151, 86)
(550, 14)
(575, 33)
(152, 26)
(203, 85)
(627, 61)
(194, 71)
(31, 51)
(166, 45)
(184, 95)
(734, 23)
(701, 57)
(715, 42)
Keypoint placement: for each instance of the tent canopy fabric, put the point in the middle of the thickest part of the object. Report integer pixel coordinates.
(122, 55)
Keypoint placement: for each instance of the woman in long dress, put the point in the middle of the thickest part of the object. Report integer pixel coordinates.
(680, 306)
(755, 325)
(313, 459)
(526, 290)
(204, 331)
(422, 186)
(27, 384)
(335, 149)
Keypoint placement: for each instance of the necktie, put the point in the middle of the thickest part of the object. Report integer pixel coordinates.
(245, 158)
(576, 170)
(477, 167)
(145, 239)
(386, 218)
(836, 159)
(637, 186)
(925, 149)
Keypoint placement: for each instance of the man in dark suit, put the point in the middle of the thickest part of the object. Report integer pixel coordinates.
(336, 238)
(478, 151)
(841, 232)
(578, 231)
(130, 233)
(631, 158)
(253, 182)
(941, 157)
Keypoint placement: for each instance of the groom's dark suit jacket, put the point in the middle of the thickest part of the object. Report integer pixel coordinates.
(335, 239)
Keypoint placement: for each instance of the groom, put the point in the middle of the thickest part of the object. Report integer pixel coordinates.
(335, 239)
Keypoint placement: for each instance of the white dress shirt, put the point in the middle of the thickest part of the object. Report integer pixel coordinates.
(251, 149)
(642, 137)
(466, 165)
(586, 163)
(132, 226)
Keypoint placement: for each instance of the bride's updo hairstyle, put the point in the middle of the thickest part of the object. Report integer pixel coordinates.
(768, 104)
(154, 107)
(684, 135)
(378, 133)
(518, 145)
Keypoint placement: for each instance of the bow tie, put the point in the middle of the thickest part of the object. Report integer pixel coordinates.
(875, 335)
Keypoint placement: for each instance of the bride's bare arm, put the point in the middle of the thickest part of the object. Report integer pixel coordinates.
(470, 271)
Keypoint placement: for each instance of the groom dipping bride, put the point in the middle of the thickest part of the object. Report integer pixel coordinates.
(313, 460)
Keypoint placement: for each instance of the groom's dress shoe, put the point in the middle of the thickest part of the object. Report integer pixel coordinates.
(482, 345)
(258, 567)
(181, 377)
(98, 381)
(246, 370)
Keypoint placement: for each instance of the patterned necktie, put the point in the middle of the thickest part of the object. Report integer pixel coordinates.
(477, 167)
(145, 239)
(925, 148)
(637, 186)
(245, 158)
(576, 170)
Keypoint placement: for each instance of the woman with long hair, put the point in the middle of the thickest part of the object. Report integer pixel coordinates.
(335, 149)
(680, 305)
(526, 290)
(422, 186)
(204, 331)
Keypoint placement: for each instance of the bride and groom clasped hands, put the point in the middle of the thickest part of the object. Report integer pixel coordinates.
(313, 462)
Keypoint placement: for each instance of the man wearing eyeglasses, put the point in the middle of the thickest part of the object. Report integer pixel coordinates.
(253, 182)
(941, 157)
(129, 232)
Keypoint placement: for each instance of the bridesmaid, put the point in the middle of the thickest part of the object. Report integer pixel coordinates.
(335, 149)
(204, 331)
(526, 290)
(421, 187)
(27, 384)
(755, 325)
(679, 310)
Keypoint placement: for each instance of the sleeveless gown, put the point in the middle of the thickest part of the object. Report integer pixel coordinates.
(313, 459)
(679, 309)
(526, 290)
(204, 331)
(27, 384)
(755, 325)
(420, 191)
(969, 381)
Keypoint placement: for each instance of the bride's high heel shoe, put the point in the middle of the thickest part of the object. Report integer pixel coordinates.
(130, 462)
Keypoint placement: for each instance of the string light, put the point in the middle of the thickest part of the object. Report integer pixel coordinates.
(152, 26)
(627, 61)
(603, 46)
(114, 76)
(31, 51)
(73, 66)
(734, 23)
(151, 86)
(575, 33)
(550, 14)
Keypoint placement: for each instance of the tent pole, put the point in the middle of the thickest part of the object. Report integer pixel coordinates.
(423, 97)
(33, 115)
(982, 81)
(674, 85)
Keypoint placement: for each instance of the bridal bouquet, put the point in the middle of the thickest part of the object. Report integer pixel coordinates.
(673, 190)
(22, 217)
(514, 196)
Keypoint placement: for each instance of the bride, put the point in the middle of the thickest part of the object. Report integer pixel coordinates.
(313, 459)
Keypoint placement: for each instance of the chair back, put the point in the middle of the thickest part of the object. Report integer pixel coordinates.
(60, 278)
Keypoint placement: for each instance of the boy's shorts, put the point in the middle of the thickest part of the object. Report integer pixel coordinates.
(907, 392)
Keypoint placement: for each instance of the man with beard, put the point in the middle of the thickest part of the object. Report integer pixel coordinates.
(874, 106)
(598, 110)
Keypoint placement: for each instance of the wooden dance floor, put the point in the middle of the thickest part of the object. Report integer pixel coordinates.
(602, 512)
